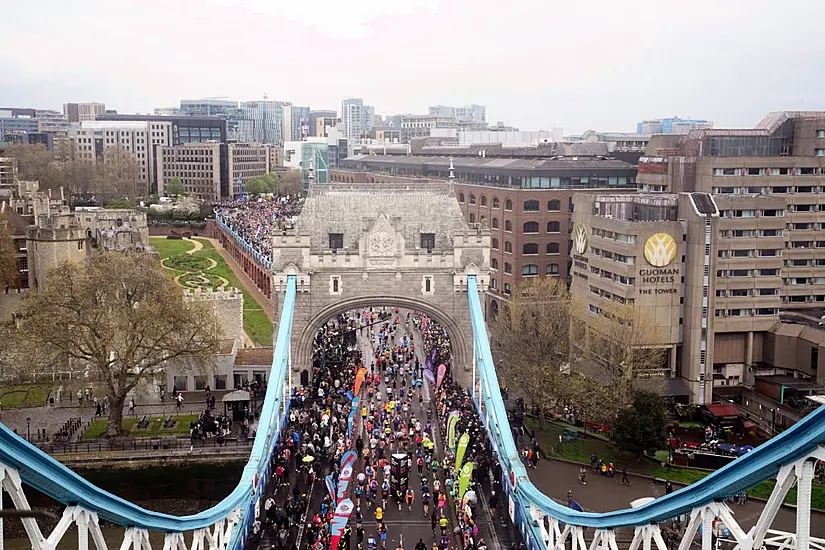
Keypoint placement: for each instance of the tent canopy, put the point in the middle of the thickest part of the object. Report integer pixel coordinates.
(236, 396)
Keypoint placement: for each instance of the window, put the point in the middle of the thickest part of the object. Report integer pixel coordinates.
(531, 206)
(220, 382)
(507, 289)
(552, 269)
(494, 263)
(495, 202)
(531, 227)
(530, 249)
(768, 272)
(179, 383)
(461, 197)
(495, 223)
(428, 284)
(508, 225)
(200, 382)
(529, 270)
(508, 268)
(494, 284)
(472, 199)
(472, 218)
(553, 227)
(819, 152)
(508, 205)
(552, 248)
(820, 133)
(428, 241)
(336, 241)
(483, 200)
(554, 206)
(494, 243)
(508, 246)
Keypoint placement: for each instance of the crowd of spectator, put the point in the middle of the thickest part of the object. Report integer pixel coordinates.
(257, 221)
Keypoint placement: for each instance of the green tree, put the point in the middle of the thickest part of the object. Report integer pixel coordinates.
(255, 186)
(174, 187)
(121, 316)
(641, 427)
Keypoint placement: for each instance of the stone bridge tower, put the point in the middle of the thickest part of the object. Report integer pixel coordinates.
(387, 244)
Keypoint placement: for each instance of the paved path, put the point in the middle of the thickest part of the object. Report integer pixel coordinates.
(603, 494)
(249, 285)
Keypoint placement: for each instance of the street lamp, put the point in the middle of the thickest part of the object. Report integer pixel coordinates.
(773, 420)
(28, 428)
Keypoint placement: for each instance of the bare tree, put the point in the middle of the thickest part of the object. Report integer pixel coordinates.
(36, 163)
(625, 343)
(119, 315)
(119, 176)
(531, 336)
(289, 183)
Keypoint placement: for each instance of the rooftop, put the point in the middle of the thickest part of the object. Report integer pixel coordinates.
(555, 163)
(254, 357)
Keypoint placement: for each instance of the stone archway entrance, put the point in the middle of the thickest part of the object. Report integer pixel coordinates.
(403, 245)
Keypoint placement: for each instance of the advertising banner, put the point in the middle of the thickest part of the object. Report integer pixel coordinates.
(462, 448)
(464, 479)
(339, 522)
(359, 379)
(442, 370)
(452, 420)
(343, 482)
(348, 459)
(330, 487)
(350, 423)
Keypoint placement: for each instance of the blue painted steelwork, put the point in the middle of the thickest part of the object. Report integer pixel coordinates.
(758, 465)
(246, 245)
(49, 476)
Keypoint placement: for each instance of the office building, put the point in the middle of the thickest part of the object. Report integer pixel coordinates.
(80, 112)
(271, 120)
(672, 125)
(8, 176)
(735, 227)
(275, 155)
(201, 167)
(93, 141)
(16, 122)
(299, 124)
(319, 121)
(525, 203)
(209, 106)
(475, 113)
(245, 161)
(185, 129)
(357, 119)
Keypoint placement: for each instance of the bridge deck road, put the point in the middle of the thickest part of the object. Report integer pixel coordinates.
(405, 524)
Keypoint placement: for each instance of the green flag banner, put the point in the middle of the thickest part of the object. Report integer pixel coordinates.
(452, 420)
(462, 448)
(464, 479)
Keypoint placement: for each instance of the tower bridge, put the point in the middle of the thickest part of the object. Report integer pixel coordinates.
(407, 245)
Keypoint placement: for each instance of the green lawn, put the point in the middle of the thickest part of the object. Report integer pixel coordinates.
(24, 395)
(97, 428)
(255, 322)
(580, 451)
(170, 247)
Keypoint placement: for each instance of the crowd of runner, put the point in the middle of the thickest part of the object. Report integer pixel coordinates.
(257, 221)
(391, 417)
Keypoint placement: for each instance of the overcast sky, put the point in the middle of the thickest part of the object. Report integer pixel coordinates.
(533, 63)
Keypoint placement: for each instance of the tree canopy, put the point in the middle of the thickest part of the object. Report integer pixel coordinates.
(9, 277)
(641, 428)
(174, 187)
(119, 315)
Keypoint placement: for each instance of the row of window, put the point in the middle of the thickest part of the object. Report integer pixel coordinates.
(528, 227)
(621, 258)
(761, 253)
(807, 262)
(752, 213)
(605, 274)
(770, 272)
(775, 190)
(527, 249)
(528, 206)
(812, 171)
(746, 292)
(527, 270)
(620, 237)
(749, 233)
(746, 312)
(610, 296)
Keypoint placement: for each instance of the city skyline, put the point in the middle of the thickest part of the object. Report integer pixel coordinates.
(631, 58)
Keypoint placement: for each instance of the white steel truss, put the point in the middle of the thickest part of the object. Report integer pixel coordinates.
(556, 535)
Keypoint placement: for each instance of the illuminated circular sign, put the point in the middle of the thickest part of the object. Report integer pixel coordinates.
(660, 250)
(580, 239)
